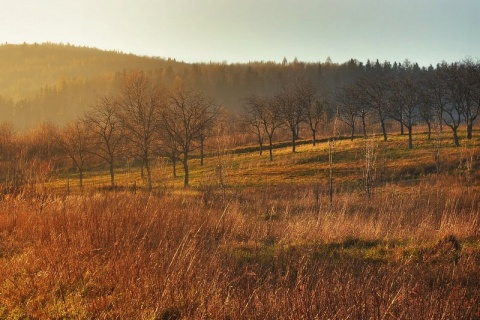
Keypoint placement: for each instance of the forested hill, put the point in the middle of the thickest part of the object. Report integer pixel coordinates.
(25, 69)
(56, 83)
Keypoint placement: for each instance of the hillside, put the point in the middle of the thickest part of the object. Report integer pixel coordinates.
(25, 69)
(56, 83)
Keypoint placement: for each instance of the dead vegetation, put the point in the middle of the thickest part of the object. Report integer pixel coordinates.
(253, 254)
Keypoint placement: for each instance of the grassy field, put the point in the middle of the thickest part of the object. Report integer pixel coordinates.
(254, 239)
(244, 167)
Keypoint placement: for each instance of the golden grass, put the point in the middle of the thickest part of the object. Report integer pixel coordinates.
(270, 253)
(254, 240)
(393, 162)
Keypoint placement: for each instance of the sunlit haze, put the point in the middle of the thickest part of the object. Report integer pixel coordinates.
(424, 31)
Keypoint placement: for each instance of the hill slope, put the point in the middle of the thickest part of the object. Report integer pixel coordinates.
(56, 83)
(27, 68)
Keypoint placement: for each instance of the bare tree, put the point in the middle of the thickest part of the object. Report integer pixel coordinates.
(316, 114)
(348, 108)
(298, 103)
(139, 107)
(467, 76)
(170, 148)
(426, 108)
(363, 113)
(263, 110)
(74, 142)
(426, 112)
(105, 133)
(454, 91)
(311, 103)
(252, 119)
(376, 90)
(436, 92)
(270, 121)
(406, 102)
(291, 109)
(182, 120)
(453, 108)
(41, 153)
(206, 131)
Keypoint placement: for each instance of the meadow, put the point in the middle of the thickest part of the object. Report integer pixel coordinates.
(378, 232)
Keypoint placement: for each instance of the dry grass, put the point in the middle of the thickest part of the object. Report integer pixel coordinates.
(243, 167)
(253, 239)
(270, 253)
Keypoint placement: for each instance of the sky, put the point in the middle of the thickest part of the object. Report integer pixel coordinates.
(423, 31)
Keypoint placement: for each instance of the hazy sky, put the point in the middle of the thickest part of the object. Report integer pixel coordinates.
(424, 31)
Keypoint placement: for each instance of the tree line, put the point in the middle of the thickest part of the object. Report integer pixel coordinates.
(448, 95)
(143, 121)
(148, 120)
(145, 118)
(68, 79)
(374, 95)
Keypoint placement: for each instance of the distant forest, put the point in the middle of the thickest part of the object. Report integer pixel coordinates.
(56, 83)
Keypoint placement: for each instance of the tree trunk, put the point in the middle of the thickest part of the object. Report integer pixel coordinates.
(260, 146)
(314, 139)
(149, 174)
(293, 141)
(429, 125)
(202, 143)
(469, 130)
(174, 165)
(271, 148)
(112, 175)
(410, 139)
(80, 177)
(384, 130)
(455, 137)
(185, 168)
(364, 127)
(353, 132)
(440, 119)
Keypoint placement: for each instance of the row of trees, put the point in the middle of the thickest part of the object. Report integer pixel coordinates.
(374, 95)
(144, 121)
(449, 95)
(296, 104)
(148, 121)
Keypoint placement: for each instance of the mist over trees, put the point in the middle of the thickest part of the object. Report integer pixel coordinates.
(58, 83)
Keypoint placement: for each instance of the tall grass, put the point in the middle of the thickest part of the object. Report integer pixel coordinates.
(270, 253)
